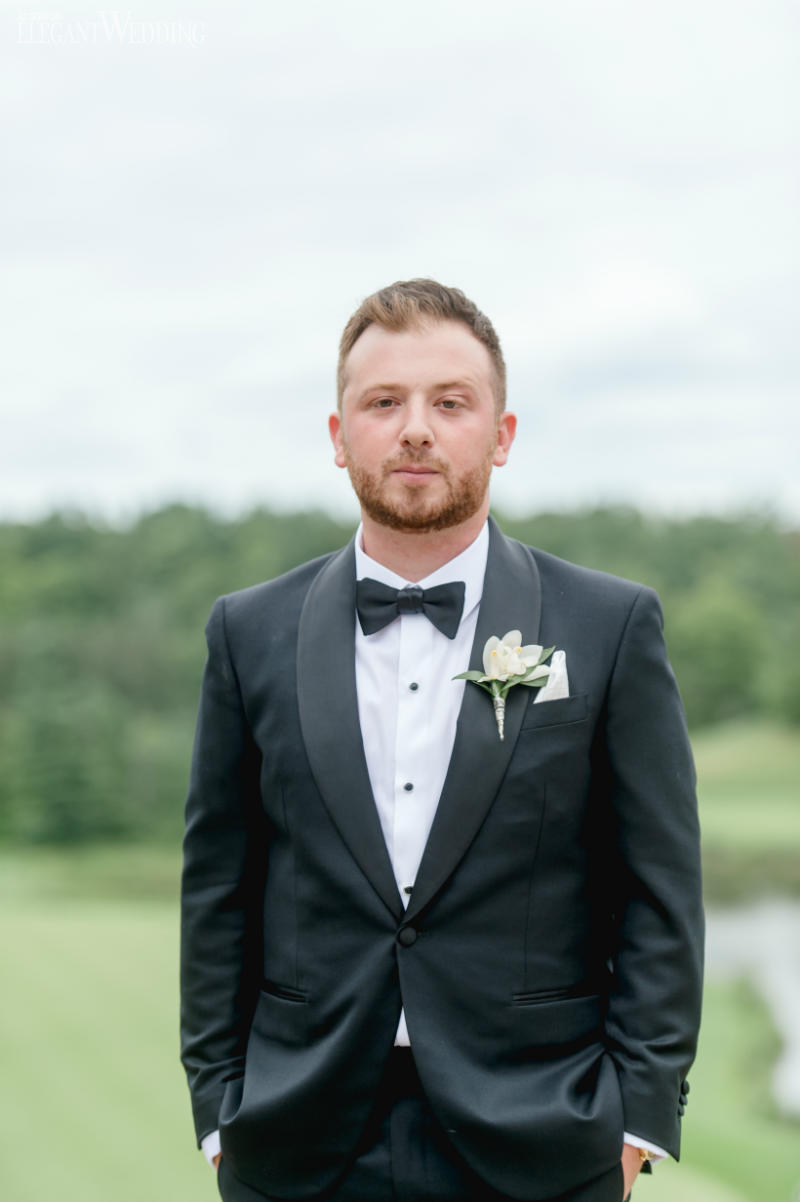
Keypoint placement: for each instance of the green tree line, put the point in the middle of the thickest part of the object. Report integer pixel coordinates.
(101, 640)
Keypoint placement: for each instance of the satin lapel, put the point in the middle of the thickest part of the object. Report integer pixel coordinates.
(511, 601)
(326, 695)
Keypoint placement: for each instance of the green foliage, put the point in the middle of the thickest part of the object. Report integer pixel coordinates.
(717, 644)
(101, 644)
(748, 773)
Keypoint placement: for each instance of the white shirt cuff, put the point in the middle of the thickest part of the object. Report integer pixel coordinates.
(655, 1152)
(211, 1146)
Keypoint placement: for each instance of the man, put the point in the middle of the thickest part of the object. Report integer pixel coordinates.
(421, 961)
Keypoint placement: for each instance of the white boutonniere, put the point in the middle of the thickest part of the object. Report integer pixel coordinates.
(507, 663)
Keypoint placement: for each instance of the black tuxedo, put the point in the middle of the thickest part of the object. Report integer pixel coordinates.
(549, 960)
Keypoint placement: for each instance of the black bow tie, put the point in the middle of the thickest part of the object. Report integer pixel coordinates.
(379, 604)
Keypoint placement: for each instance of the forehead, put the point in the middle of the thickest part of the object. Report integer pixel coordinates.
(436, 352)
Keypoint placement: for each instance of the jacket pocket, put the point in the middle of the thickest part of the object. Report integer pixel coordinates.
(545, 1025)
(286, 992)
(280, 1018)
(562, 712)
(535, 997)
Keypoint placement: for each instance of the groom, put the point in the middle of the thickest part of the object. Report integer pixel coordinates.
(420, 961)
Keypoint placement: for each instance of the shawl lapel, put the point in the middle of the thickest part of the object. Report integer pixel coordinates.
(511, 601)
(326, 695)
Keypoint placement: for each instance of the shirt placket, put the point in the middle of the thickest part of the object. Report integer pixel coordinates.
(410, 785)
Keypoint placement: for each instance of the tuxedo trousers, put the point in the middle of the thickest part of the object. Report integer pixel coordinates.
(404, 1155)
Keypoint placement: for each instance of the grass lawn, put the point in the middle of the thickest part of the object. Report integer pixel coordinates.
(749, 791)
(749, 785)
(94, 1107)
(732, 1132)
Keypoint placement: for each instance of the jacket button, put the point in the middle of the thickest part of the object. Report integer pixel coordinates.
(406, 936)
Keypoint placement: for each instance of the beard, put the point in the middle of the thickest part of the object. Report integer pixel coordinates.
(412, 512)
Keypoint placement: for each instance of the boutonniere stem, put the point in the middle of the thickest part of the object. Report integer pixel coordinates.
(507, 663)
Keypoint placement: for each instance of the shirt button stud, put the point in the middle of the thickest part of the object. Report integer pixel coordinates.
(413, 686)
(408, 786)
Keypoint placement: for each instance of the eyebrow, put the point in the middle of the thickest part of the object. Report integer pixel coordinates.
(443, 387)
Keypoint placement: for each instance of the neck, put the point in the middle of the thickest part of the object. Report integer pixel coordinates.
(414, 555)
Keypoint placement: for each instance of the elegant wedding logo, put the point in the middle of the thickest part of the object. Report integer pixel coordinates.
(108, 26)
(507, 663)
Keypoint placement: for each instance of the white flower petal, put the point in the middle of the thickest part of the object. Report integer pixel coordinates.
(531, 654)
(511, 662)
(532, 649)
(490, 660)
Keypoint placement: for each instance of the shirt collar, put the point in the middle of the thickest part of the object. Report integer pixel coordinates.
(469, 566)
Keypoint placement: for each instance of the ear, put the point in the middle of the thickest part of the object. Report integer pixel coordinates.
(506, 429)
(335, 431)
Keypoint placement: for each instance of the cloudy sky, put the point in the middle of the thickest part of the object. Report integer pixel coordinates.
(195, 198)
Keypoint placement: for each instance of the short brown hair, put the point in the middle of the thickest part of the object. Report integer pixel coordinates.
(409, 303)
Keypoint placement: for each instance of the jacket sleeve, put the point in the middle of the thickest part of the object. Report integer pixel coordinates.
(225, 850)
(654, 1009)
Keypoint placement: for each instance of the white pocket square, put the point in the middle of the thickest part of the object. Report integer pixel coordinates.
(557, 682)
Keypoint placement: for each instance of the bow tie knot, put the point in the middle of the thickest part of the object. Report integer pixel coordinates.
(379, 604)
(410, 599)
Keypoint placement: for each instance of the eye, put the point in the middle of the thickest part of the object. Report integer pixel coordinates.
(383, 402)
(449, 403)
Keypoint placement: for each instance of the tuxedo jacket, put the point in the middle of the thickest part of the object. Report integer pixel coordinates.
(549, 960)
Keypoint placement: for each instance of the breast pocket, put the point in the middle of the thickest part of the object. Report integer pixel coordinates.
(562, 712)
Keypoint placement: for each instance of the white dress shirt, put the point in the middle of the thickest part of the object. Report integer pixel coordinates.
(408, 705)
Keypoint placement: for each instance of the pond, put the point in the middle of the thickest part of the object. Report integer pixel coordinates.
(761, 941)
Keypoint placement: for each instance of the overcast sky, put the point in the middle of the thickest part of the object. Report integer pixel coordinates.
(195, 199)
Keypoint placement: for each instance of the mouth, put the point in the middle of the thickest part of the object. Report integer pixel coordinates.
(414, 477)
(414, 471)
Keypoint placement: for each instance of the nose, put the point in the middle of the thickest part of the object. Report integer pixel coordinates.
(416, 430)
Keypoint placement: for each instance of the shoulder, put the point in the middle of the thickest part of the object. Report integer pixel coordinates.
(597, 600)
(277, 601)
(605, 620)
(572, 579)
